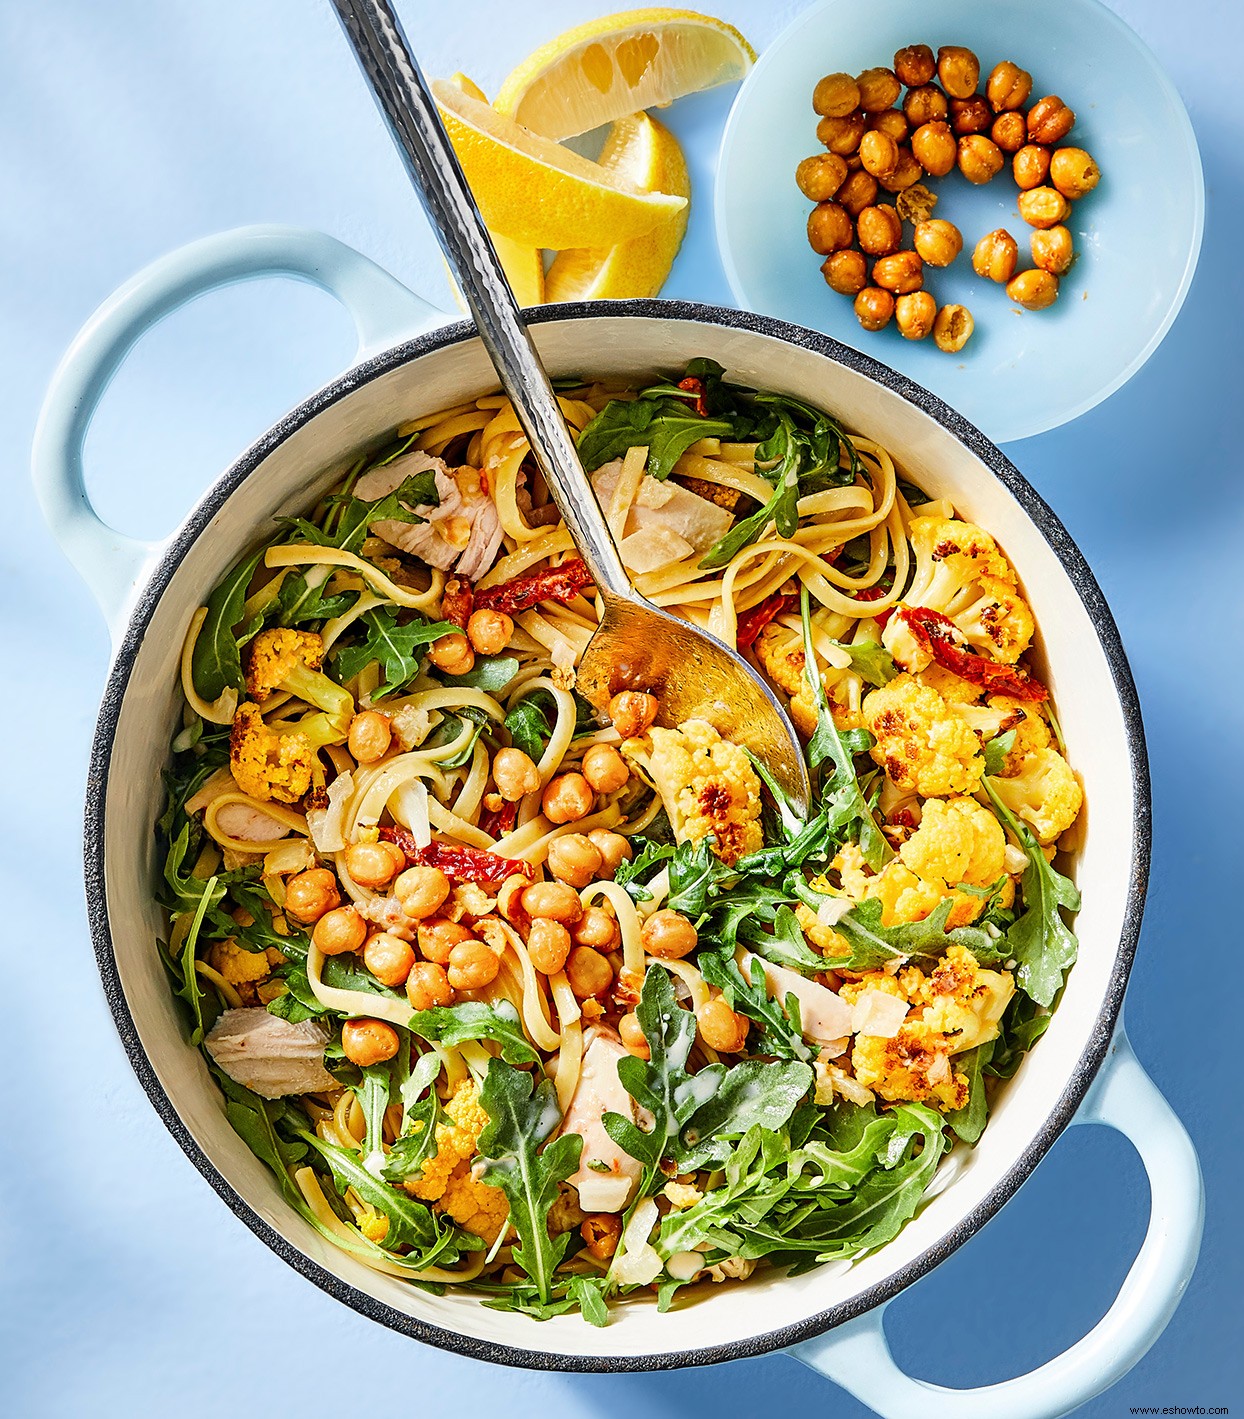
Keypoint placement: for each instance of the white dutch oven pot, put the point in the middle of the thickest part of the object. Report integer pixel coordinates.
(1082, 1071)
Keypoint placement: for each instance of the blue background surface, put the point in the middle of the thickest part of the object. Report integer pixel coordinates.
(125, 1285)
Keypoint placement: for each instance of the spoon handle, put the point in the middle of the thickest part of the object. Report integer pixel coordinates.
(402, 95)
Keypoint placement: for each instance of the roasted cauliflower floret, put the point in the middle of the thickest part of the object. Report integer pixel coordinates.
(824, 938)
(243, 969)
(1044, 793)
(277, 763)
(474, 1204)
(958, 840)
(456, 1142)
(706, 783)
(906, 895)
(961, 573)
(779, 651)
(921, 744)
(289, 660)
(955, 1008)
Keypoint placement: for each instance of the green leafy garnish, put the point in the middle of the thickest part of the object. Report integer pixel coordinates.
(421, 1112)
(873, 945)
(396, 647)
(477, 1020)
(489, 675)
(665, 426)
(996, 751)
(355, 516)
(529, 728)
(216, 664)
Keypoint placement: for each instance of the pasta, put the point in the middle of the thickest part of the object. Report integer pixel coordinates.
(559, 1007)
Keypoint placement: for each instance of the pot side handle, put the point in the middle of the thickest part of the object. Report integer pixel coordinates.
(857, 1357)
(111, 563)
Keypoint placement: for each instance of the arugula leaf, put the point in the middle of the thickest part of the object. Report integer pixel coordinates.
(490, 675)
(373, 1094)
(996, 751)
(853, 1143)
(753, 1094)
(477, 1020)
(356, 516)
(421, 1112)
(779, 1035)
(872, 944)
(665, 426)
(216, 663)
(301, 598)
(1042, 943)
(191, 991)
(870, 660)
(969, 1122)
(253, 1119)
(522, 1116)
(588, 1293)
(1022, 1026)
(784, 945)
(396, 647)
(528, 727)
(695, 872)
(779, 508)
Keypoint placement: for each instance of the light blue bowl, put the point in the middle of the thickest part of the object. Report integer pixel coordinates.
(1138, 234)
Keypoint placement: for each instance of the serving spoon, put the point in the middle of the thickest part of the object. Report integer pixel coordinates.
(637, 645)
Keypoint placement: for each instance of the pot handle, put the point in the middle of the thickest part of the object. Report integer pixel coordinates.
(111, 563)
(857, 1357)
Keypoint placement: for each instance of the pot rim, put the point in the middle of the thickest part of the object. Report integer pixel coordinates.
(1086, 1067)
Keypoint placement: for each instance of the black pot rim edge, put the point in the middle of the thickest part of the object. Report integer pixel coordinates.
(1082, 1076)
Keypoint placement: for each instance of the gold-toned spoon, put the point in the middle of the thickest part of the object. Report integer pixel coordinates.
(637, 645)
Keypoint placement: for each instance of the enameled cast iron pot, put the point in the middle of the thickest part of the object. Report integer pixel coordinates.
(1082, 1071)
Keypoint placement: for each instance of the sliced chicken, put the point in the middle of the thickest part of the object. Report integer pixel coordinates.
(665, 522)
(268, 1055)
(607, 1175)
(463, 532)
(239, 820)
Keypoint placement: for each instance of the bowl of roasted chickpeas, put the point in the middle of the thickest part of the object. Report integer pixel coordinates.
(972, 195)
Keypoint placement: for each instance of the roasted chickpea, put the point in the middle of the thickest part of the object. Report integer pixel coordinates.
(1009, 131)
(901, 273)
(632, 1035)
(605, 769)
(829, 225)
(668, 935)
(1053, 250)
(427, 986)
(421, 891)
(1034, 290)
(548, 945)
(374, 864)
(970, 115)
(926, 104)
(938, 242)
(310, 894)
(914, 65)
(597, 929)
(879, 154)
(588, 972)
(388, 958)
(914, 315)
(720, 1027)
(820, 176)
(995, 256)
(1074, 172)
(489, 631)
(601, 1233)
(879, 89)
(1049, 121)
(934, 148)
(472, 966)
(1008, 87)
(874, 308)
(453, 655)
(907, 173)
(515, 774)
(841, 135)
(857, 192)
(880, 230)
(575, 859)
(614, 849)
(339, 930)
(980, 158)
(567, 798)
(556, 900)
(366, 1042)
(1031, 166)
(845, 272)
(959, 70)
(892, 122)
(835, 96)
(953, 328)
(437, 937)
(631, 712)
(370, 736)
(1043, 207)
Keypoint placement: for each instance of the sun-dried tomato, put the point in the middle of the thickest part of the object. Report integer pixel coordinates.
(936, 632)
(696, 386)
(875, 593)
(757, 617)
(457, 601)
(521, 593)
(465, 864)
(497, 822)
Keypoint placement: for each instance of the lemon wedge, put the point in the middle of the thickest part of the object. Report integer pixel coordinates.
(602, 71)
(535, 191)
(640, 150)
